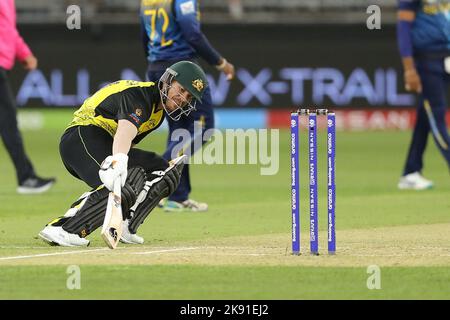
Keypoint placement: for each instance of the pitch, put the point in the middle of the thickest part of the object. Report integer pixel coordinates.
(240, 248)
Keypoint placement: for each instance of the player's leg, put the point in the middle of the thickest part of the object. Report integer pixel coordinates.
(196, 123)
(412, 177)
(88, 212)
(435, 87)
(414, 160)
(430, 117)
(151, 162)
(82, 149)
(162, 185)
(162, 180)
(173, 143)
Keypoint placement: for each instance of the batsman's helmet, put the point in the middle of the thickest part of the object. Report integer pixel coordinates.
(191, 77)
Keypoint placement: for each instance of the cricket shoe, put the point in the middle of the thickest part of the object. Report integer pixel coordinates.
(161, 203)
(414, 181)
(187, 205)
(35, 185)
(58, 236)
(128, 237)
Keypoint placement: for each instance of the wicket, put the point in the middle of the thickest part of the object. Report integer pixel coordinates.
(313, 183)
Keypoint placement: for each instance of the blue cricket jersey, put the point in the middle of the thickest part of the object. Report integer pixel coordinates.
(431, 28)
(171, 31)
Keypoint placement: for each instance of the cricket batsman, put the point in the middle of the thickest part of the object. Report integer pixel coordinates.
(98, 148)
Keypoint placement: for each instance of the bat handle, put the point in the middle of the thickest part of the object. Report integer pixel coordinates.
(117, 188)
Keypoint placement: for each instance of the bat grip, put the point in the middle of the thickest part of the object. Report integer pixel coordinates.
(117, 188)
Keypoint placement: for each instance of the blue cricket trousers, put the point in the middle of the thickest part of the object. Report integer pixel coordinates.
(430, 112)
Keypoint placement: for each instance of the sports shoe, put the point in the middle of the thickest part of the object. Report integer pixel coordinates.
(35, 185)
(187, 205)
(414, 181)
(58, 236)
(161, 203)
(128, 237)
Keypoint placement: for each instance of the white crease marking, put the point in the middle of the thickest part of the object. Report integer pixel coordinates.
(50, 254)
(163, 251)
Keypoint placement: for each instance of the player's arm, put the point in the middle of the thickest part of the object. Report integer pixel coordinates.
(128, 122)
(187, 18)
(126, 132)
(116, 166)
(23, 52)
(129, 119)
(406, 15)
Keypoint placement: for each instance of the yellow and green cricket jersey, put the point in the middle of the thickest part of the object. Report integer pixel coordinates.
(134, 101)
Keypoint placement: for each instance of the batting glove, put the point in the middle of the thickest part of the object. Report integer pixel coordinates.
(114, 167)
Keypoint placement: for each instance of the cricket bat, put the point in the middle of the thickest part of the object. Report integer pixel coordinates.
(112, 225)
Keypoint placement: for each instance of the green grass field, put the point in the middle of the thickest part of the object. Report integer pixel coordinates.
(240, 248)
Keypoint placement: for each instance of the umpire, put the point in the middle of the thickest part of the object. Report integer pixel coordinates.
(13, 47)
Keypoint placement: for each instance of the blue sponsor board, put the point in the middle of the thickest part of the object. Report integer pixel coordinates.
(236, 119)
(316, 66)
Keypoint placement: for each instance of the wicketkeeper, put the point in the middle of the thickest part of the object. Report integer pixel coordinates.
(98, 147)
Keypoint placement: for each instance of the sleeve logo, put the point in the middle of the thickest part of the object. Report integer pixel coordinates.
(187, 7)
(136, 116)
(139, 112)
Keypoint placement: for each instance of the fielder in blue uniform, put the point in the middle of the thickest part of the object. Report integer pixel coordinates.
(423, 35)
(170, 33)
